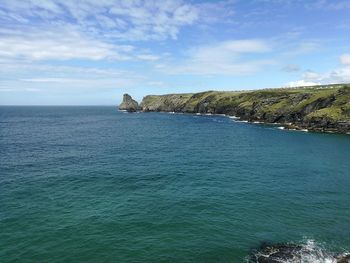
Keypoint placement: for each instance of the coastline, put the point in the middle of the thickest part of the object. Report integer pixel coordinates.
(280, 126)
(318, 109)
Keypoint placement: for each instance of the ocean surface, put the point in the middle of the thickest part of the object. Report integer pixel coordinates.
(93, 184)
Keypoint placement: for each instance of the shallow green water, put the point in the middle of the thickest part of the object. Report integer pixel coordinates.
(91, 184)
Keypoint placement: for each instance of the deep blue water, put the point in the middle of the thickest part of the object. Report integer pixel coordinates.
(91, 184)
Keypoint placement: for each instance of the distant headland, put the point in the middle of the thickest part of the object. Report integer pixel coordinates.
(324, 108)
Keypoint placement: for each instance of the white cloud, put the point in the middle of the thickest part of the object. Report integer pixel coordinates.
(218, 11)
(57, 79)
(222, 58)
(5, 89)
(339, 75)
(61, 44)
(46, 72)
(158, 84)
(126, 20)
(310, 75)
(299, 48)
(302, 83)
(345, 59)
(32, 89)
(51, 80)
(148, 57)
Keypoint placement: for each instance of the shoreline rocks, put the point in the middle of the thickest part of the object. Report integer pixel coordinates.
(308, 252)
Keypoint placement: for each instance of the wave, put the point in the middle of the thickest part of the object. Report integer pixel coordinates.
(307, 252)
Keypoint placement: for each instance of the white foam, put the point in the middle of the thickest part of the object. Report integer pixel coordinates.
(281, 127)
(310, 252)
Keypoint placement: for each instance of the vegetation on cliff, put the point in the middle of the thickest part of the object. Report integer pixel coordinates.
(319, 108)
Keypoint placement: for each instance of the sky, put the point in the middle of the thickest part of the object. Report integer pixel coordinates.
(89, 52)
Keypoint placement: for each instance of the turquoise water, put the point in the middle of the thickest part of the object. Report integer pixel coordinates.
(91, 184)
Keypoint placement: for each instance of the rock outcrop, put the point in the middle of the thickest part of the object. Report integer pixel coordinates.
(129, 104)
(295, 253)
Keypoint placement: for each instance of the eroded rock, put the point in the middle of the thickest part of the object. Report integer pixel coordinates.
(129, 104)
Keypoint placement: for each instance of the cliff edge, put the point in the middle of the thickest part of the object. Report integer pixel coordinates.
(324, 108)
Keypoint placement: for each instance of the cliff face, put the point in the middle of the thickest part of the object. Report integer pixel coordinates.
(129, 104)
(319, 108)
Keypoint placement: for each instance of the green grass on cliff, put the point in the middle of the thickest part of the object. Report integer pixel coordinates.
(331, 113)
(340, 109)
(331, 102)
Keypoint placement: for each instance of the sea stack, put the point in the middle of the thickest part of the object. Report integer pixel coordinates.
(129, 104)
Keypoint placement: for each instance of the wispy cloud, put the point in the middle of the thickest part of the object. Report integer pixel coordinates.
(126, 20)
(291, 68)
(329, 4)
(338, 75)
(59, 79)
(61, 44)
(223, 11)
(301, 83)
(345, 59)
(222, 58)
(51, 80)
(148, 57)
(298, 47)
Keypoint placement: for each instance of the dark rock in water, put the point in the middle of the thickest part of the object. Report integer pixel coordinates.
(344, 259)
(277, 253)
(129, 104)
(303, 253)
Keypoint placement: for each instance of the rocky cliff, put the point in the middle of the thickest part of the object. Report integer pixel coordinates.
(318, 108)
(129, 104)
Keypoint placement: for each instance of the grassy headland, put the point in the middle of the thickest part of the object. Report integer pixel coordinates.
(317, 108)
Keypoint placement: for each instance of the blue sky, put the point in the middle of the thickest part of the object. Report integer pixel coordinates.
(90, 52)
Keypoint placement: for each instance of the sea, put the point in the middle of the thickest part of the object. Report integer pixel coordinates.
(94, 184)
